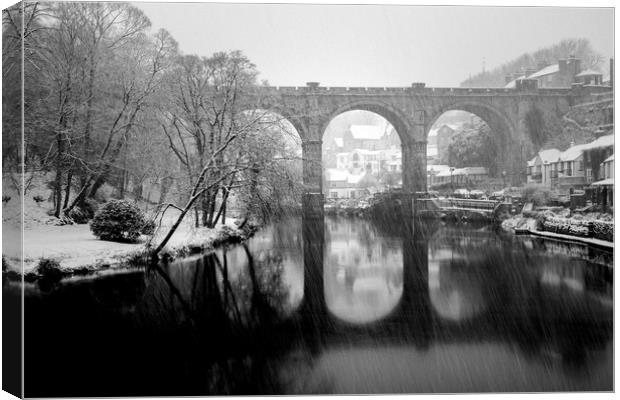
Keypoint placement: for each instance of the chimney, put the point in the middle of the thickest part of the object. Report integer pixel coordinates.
(562, 66)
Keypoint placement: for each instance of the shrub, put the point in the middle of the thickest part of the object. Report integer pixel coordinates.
(49, 268)
(79, 215)
(118, 220)
(603, 230)
(567, 226)
(85, 212)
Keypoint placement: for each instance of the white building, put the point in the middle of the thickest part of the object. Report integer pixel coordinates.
(539, 167)
(341, 184)
(371, 161)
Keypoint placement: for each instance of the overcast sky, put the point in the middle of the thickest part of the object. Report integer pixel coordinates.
(347, 45)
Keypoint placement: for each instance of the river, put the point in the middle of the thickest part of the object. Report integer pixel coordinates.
(344, 305)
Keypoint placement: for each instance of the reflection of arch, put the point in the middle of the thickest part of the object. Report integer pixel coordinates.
(497, 120)
(391, 114)
(455, 291)
(361, 299)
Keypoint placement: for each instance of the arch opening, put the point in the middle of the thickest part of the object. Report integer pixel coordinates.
(361, 155)
(469, 148)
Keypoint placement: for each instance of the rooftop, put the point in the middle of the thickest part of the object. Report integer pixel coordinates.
(572, 153)
(551, 69)
(366, 132)
(603, 141)
(589, 72)
(549, 155)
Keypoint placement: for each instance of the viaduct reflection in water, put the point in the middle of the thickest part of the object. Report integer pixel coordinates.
(335, 306)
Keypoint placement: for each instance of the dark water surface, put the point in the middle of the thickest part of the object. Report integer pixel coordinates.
(340, 306)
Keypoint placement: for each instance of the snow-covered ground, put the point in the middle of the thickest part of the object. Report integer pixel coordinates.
(75, 246)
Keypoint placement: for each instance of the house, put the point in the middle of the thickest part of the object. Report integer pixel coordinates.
(608, 167)
(589, 77)
(602, 191)
(594, 155)
(560, 75)
(371, 161)
(539, 167)
(369, 137)
(568, 170)
(581, 164)
(344, 185)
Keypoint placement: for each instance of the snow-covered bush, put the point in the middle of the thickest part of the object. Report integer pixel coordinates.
(567, 226)
(118, 220)
(603, 230)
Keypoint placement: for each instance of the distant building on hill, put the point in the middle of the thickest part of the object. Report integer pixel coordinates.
(369, 137)
(560, 75)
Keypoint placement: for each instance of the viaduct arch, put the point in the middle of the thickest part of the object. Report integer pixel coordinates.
(412, 111)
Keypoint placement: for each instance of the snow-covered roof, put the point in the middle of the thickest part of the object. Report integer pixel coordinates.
(549, 155)
(366, 132)
(354, 179)
(513, 83)
(339, 141)
(603, 141)
(437, 168)
(464, 171)
(589, 72)
(548, 70)
(334, 174)
(604, 182)
(572, 153)
(340, 175)
(453, 127)
(531, 162)
(609, 159)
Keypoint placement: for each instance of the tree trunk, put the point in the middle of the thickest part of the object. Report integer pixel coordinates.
(204, 206)
(58, 178)
(222, 210)
(68, 187)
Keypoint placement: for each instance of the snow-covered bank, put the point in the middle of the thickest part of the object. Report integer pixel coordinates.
(77, 250)
(595, 229)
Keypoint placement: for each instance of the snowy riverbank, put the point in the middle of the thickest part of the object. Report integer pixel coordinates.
(77, 250)
(593, 229)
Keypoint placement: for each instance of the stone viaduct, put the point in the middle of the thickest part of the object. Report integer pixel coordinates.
(412, 111)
